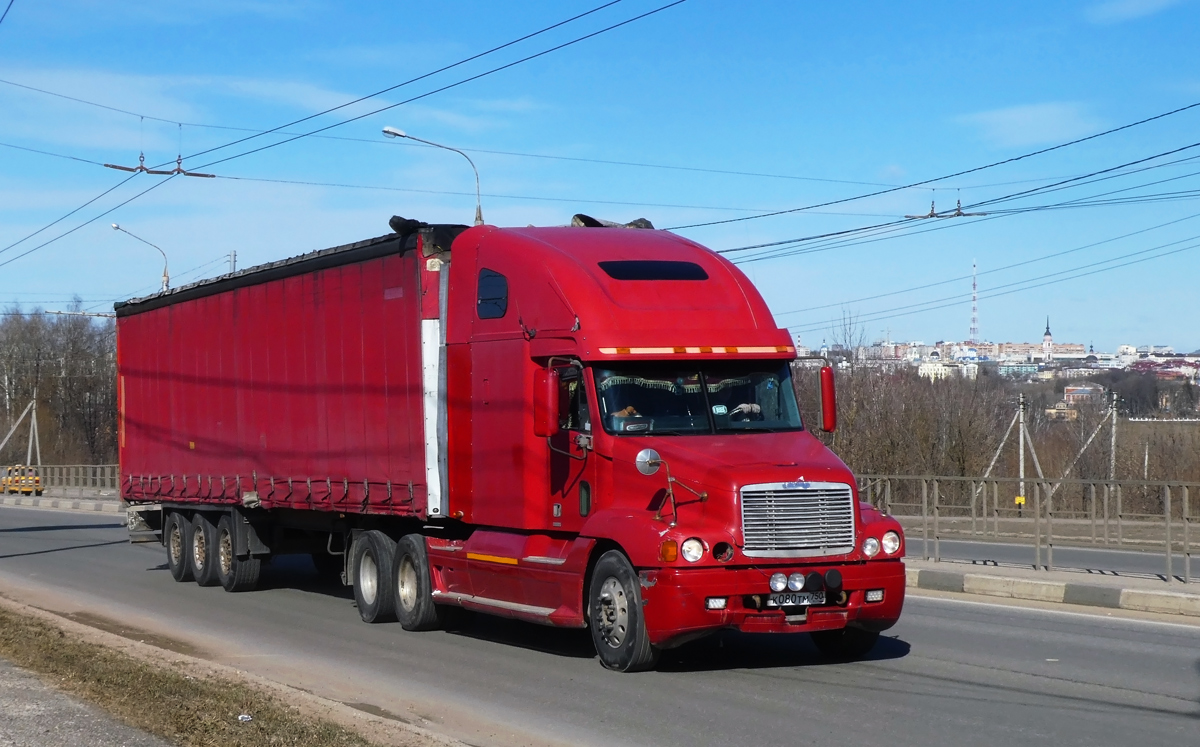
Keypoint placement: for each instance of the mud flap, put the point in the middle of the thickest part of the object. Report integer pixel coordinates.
(247, 543)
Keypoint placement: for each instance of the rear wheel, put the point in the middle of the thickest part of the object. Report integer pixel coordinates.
(374, 583)
(234, 573)
(179, 542)
(204, 551)
(615, 616)
(414, 588)
(846, 644)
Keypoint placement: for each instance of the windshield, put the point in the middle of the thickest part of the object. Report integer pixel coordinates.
(643, 399)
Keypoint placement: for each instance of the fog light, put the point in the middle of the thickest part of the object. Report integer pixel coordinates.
(870, 547)
(779, 582)
(796, 581)
(891, 543)
(874, 595)
(692, 550)
(718, 603)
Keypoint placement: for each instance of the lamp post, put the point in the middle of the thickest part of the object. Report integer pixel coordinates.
(166, 277)
(393, 132)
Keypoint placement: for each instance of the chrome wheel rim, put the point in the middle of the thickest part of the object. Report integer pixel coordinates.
(225, 553)
(368, 578)
(175, 545)
(407, 583)
(612, 613)
(199, 548)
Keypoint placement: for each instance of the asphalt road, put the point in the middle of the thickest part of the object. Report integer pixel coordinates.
(1138, 563)
(952, 672)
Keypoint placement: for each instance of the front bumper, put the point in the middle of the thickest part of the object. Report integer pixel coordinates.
(675, 612)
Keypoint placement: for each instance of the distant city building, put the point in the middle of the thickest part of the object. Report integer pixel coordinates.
(1047, 344)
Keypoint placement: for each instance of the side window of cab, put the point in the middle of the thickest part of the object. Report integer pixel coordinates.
(492, 300)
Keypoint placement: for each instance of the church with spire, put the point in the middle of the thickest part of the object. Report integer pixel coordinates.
(1047, 344)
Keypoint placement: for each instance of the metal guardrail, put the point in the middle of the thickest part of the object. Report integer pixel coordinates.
(1143, 514)
(81, 476)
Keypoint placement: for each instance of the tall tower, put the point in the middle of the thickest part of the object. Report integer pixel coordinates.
(975, 307)
(1047, 344)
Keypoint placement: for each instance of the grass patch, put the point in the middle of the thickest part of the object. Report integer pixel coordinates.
(162, 699)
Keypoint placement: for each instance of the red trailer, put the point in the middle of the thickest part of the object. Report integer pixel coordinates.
(579, 427)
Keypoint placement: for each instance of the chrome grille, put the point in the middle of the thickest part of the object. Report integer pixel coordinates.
(797, 519)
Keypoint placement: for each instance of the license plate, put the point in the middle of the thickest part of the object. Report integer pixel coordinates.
(796, 599)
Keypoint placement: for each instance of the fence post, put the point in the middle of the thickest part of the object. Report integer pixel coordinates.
(995, 509)
(1092, 508)
(1049, 530)
(925, 518)
(1037, 526)
(1167, 515)
(887, 497)
(1187, 548)
(937, 532)
(974, 495)
(1120, 525)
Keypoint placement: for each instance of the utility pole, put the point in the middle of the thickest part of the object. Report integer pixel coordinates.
(233, 261)
(1021, 435)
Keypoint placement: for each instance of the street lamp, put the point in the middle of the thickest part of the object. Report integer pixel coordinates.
(393, 132)
(166, 277)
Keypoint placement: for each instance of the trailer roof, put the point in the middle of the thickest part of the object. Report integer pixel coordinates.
(358, 251)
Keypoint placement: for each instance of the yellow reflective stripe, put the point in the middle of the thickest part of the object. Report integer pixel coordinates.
(491, 558)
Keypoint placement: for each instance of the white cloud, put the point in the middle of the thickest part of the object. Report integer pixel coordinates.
(1033, 124)
(1116, 11)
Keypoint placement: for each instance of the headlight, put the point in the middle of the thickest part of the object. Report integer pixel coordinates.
(778, 582)
(796, 582)
(870, 547)
(891, 542)
(692, 550)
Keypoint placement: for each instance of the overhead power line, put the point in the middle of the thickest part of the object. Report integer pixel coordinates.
(352, 119)
(6, 9)
(954, 175)
(960, 299)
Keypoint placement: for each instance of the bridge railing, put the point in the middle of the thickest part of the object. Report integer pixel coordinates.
(1151, 515)
(81, 479)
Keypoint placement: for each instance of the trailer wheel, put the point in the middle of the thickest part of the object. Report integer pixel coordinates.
(178, 539)
(846, 644)
(374, 585)
(414, 587)
(615, 619)
(203, 556)
(234, 573)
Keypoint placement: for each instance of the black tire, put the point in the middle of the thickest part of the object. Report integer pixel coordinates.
(414, 588)
(847, 644)
(234, 573)
(203, 555)
(178, 539)
(328, 566)
(615, 616)
(371, 571)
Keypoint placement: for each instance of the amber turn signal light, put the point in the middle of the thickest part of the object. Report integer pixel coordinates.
(668, 551)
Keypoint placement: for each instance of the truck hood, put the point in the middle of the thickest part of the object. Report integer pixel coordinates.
(725, 462)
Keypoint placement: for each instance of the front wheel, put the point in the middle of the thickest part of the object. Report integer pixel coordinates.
(846, 644)
(615, 616)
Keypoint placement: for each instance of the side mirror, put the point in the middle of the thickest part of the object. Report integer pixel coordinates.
(647, 461)
(828, 401)
(545, 403)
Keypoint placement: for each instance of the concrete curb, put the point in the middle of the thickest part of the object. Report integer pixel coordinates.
(72, 504)
(1091, 595)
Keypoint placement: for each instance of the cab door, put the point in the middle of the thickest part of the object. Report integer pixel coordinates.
(573, 462)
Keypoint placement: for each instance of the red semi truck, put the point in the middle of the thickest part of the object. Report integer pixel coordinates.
(578, 426)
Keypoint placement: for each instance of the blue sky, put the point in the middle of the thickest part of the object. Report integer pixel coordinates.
(811, 102)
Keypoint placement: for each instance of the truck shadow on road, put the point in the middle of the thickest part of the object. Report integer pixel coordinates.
(63, 549)
(733, 650)
(62, 527)
(723, 650)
